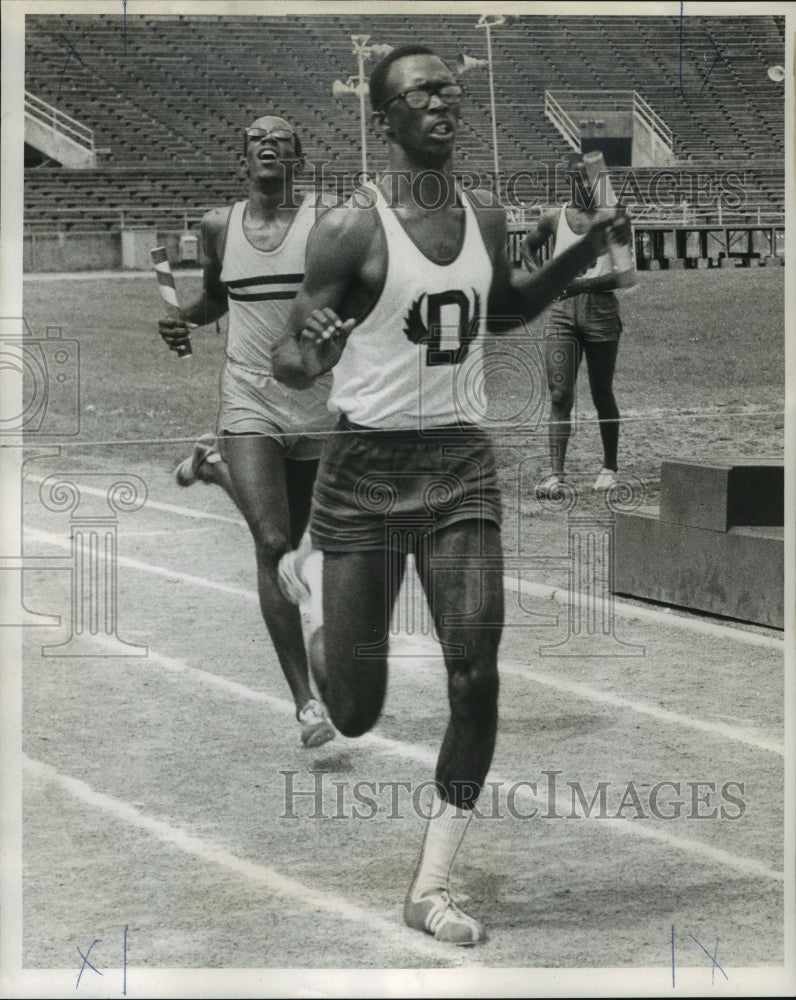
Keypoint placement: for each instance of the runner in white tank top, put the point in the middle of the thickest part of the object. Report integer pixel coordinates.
(409, 355)
(261, 285)
(254, 263)
(376, 496)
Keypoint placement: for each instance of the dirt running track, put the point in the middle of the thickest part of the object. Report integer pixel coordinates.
(159, 822)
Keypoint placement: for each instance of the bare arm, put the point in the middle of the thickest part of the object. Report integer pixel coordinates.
(212, 303)
(544, 229)
(523, 295)
(538, 237)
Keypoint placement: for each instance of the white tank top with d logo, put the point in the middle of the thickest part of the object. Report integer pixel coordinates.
(416, 359)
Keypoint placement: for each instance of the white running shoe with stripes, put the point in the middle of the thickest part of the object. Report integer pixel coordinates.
(437, 913)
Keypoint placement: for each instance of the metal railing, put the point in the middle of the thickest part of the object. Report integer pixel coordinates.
(558, 116)
(57, 120)
(557, 102)
(644, 113)
(685, 217)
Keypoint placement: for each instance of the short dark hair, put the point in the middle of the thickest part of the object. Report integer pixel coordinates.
(378, 78)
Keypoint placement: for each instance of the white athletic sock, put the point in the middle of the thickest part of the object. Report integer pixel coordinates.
(445, 830)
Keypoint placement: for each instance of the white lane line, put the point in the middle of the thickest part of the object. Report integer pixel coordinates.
(425, 648)
(169, 508)
(313, 899)
(145, 567)
(667, 618)
(428, 758)
(748, 866)
(726, 732)
(542, 591)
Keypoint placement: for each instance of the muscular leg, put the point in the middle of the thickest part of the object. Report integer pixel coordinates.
(359, 591)
(562, 360)
(273, 495)
(299, 480)
(467, 607)
(601, 364)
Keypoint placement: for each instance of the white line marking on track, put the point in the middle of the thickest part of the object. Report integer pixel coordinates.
(736, 733)
(666, 618)
(542, 591)
(748, 866)
(145, 567)
(608, 698)
(314, 899)
(169, 508)
(428, 758)
(421, 649)
(170, 532)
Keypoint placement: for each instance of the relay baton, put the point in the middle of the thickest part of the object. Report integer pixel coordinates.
(168, 292)
(622, 257)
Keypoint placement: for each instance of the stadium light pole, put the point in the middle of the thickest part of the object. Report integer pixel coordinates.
(358, 85)
(465, 63)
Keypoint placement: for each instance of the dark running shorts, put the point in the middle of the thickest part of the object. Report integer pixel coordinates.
(591, 316)
(377, 489)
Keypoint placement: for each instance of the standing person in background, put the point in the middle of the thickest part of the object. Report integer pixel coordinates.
(268, 444)
(584, 320)
(399, 290)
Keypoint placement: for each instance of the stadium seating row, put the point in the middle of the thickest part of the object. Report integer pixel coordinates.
(167, 99)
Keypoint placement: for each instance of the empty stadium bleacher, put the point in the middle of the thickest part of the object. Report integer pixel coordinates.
(168, 102)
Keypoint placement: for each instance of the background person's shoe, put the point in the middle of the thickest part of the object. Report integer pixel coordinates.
(550, 488)
(605, 480)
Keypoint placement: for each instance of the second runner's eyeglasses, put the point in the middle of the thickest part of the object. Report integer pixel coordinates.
(260, 133)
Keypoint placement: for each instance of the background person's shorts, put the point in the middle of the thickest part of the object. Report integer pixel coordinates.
(375, 489)
(590, 316)
(256, 403)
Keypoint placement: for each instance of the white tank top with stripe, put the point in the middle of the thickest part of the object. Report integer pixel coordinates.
(261, 286)
(565, 237)
(416, 359)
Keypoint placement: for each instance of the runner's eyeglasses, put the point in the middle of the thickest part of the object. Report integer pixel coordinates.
(259, 133)
(420, 97)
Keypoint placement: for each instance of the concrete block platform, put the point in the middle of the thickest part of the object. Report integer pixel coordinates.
(723, 495)
(715, 543)
(736, 574)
